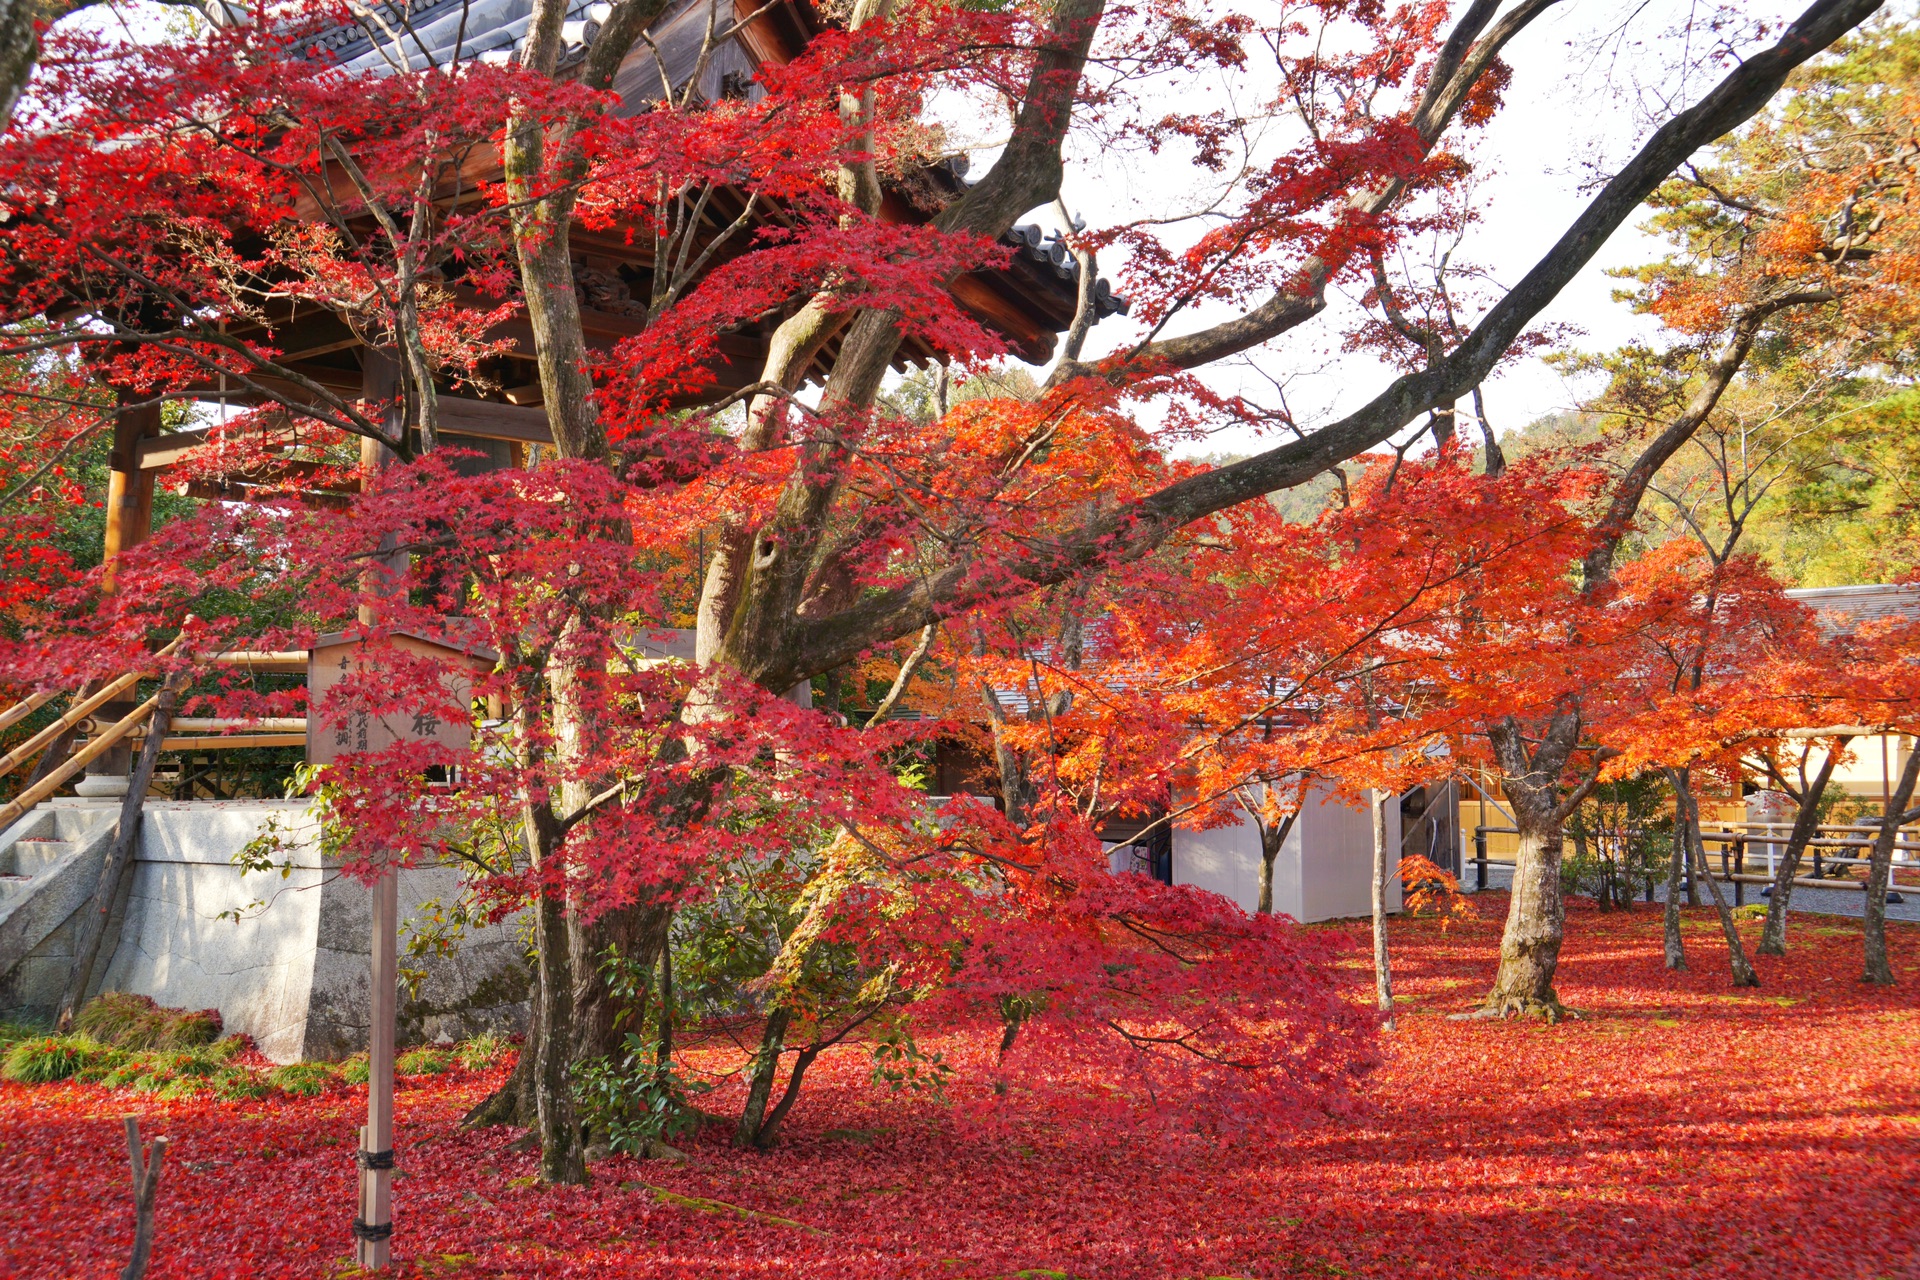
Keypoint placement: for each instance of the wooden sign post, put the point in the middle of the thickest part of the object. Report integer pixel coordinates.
(333, 659)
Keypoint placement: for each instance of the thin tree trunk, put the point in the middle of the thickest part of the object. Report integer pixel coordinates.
(1773, 935)
(561, 1158)
(663, 1044)
(1743, 974)
(1382, 963)
(1676, 946)
(1880, 871)
(766, 1063)
(770, 1128)
(1272, 840)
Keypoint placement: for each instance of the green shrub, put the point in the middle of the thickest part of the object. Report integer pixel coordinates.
(480, 1052)
(170, 1071)
(12, 1031)
(427, 1060)
(45, 1059)
(227, 1048)
(237, 1084)
(303, 1079)
(101, 1064)
(354, 1070)
(129, 1021)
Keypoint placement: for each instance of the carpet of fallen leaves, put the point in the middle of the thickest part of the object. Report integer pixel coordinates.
(1677, 1128)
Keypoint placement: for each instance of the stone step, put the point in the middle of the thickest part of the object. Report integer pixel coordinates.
(35, 854)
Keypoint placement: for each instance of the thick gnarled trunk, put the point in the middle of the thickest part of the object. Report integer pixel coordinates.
(1536, 917)
(1536, 913)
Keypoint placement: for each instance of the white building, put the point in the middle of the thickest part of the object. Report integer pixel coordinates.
(1324, 869)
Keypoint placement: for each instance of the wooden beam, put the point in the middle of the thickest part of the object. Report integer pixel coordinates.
(488, 420)
(129, 489)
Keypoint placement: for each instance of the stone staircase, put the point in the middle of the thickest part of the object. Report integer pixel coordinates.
(49, 864)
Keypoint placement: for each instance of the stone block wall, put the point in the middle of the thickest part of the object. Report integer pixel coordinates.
(284, 953)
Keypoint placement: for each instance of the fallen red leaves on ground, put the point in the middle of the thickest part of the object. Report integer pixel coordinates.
(1677, 1128)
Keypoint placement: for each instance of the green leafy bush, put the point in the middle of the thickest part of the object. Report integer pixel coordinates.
(481, 1052)
(354, 1070)
(427, 1060)
(45, 1059)
(303, 1079)
(633, 1099)
(130, 1021)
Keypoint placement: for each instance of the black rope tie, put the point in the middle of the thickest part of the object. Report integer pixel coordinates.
(373, 1159)
(372, 1234)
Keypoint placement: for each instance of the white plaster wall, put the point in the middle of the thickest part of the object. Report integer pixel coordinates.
(1226, 861)
(1322, 872)
(1336, 855)
(258, 970)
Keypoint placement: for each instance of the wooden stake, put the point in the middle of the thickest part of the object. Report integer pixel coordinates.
(373, 1228)
(118, 864)
(146, 1186)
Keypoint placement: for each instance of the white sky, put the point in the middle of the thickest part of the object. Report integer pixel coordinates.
(1589, 81)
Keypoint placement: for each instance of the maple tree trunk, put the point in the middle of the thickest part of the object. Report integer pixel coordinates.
(1743, 974)
(766, 1063)
(1676, 947)
(1382, 963)
(640, 935)
(1773, 935)
(561, 1159)
(1536, 919)
(1880, 871)
(1536, 913)
(1272, 839)
(1269, 850)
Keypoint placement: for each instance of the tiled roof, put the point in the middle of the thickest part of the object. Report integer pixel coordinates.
(423, 33)
(1844, 608)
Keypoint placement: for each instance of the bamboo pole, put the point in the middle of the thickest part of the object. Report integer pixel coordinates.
(232, 741)
(94, 749)
(80, 711)
(275, 660)
(75, 714)
(21, 710)
(258, 724)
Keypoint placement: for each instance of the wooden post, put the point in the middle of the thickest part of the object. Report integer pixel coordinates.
(117, 867)
(129, 489)
(129, 521)
(373, 1227)
(373, 1224)
(146, 1186)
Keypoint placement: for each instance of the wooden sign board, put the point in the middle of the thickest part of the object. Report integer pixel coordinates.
(335, 657)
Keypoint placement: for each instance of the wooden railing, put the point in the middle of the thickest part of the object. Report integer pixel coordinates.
(184, 733)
